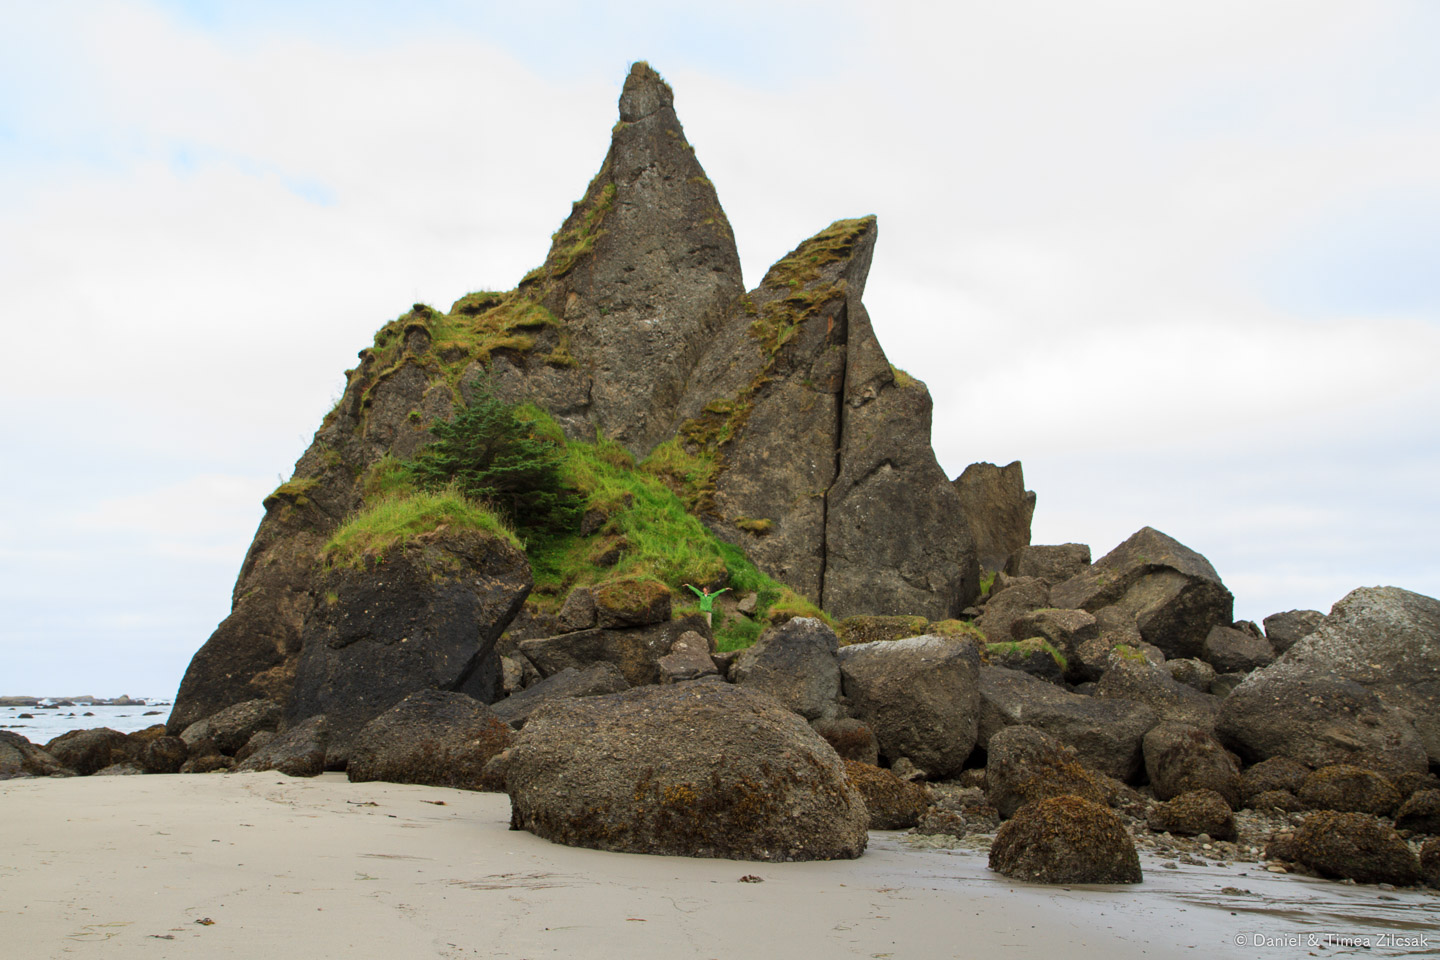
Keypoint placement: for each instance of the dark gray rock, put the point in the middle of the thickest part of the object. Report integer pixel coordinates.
(1193, 813)
(157, 754)
(1065, 630)
(689, 659)
(426, 619)
(1229, 650)
(1277, 773)
(1420, 813)
(1034, 656)
(1284, 629)
(893, 803)
(1355, 846)
(1173, 592)
(1193, 673)
(1180, 758)
(299, 751)
(86, 751)
(595, 679)
(433, 737)
(1017, 598)
(920, 696)
(1023, 765)
(1131, 677)
(1317, 720)
(636, 651)
(997, 509)
(631, 603)
(1348, 788)
(851, 739)
(1387, 640)
(698, 769)
(21, 758)
(1224, 684)
(233, 727)
(1065, 839)
(796, 664)
(1105, 734)
(1051, 563)
(578, 611)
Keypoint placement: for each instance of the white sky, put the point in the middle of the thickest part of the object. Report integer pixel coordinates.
(1180, 259)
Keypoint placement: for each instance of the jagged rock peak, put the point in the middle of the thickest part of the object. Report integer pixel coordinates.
(645, 92)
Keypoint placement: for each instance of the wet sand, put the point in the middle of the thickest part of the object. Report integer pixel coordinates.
(261, 865)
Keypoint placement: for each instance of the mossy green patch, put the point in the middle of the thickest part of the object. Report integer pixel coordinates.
(396, 519)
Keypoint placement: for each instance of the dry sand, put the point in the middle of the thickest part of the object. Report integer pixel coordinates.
(264, 866)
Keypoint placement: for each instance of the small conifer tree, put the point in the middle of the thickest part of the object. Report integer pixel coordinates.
(491, 454)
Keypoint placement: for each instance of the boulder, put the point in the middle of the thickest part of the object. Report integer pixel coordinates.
(1284, 629)
(893, 804)
(1350, 789)
(1193, 813)
(1180, 758)
(1282, 800)
(1052, 564)
(919, 695)
(1229, 650)
(159, 754)
(636, 651)
(631, 603)
(432, 737)
(1065, 839)
(1018, 597)
(796, 664)
(86, 751)
(299, 751)
(1317, 720)
(233, 727)
(578, 610)
(1035, 657)
(851, 739)
(997, 509)
(127, 768)
(1105, 734)
(425, 619)
(867, 628)
(689, 659)
(1193, 673)
(1024, 765)
(1355, 846)
(1430, 862)
(596, 679)
(1420, 813)
(1277, 773)
(21, 758)
(1174, 593)
(1385, 639)
(699, 769)
(1065, 630)
(1132, 677)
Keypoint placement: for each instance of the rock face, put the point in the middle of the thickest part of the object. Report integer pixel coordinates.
(697, 769)
(1065, 839)
(920, 696)
(425, 620)
(997, 509)
(1173, 593)
(1284, 629)
(434, 737)
(1181, 758)
(1053, 563)
(298, 752)
(816, 451)
(1024, 765)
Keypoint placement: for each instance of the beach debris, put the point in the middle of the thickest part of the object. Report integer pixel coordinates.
(205, 922)
(752, 878)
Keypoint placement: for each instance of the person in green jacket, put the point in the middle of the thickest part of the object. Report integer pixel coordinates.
(707, 600)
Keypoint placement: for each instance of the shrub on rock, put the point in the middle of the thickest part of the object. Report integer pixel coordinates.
(1355, 846)
(432, 737)
(1065, 839)
(699, 769)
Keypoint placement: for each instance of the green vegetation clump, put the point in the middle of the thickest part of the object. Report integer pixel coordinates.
(399, 517)
(957, 630)
(1126, 652)
(1024, 648)
(509, 458)
(987, 580)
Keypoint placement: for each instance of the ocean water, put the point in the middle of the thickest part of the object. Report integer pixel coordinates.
(49, 724)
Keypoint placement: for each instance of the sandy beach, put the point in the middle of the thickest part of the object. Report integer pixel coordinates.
(261, 865)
